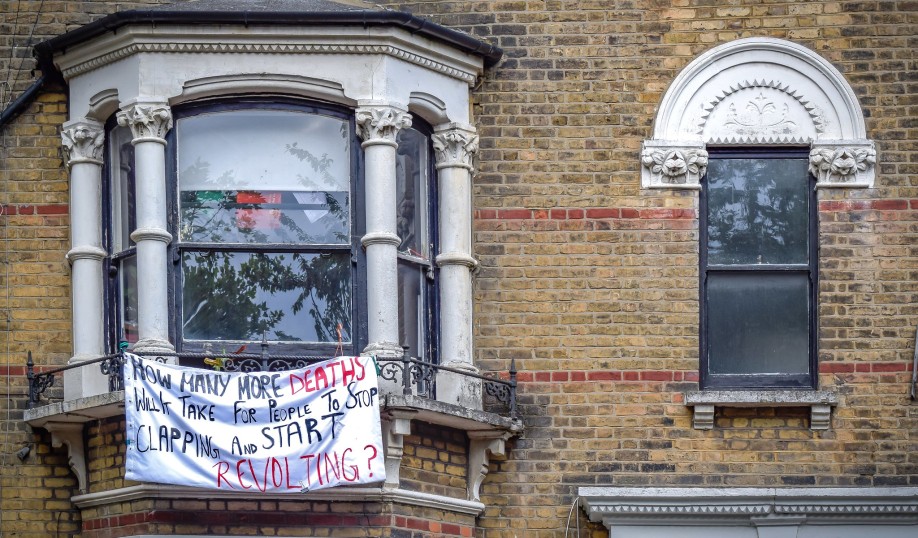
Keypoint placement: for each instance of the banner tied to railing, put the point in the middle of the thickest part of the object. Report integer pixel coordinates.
(294, 431)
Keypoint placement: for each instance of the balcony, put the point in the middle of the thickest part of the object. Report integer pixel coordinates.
(408, 394)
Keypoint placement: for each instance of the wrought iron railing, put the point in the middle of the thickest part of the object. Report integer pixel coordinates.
(415, 377)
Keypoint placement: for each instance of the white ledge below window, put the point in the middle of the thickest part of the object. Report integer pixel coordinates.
(820, 403)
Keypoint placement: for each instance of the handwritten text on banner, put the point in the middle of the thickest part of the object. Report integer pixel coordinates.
(291, 431)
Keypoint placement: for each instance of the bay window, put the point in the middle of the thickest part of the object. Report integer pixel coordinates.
(266, 219)
(264, 227)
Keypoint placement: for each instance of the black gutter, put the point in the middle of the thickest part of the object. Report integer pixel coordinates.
(490, 53)
(23, 101)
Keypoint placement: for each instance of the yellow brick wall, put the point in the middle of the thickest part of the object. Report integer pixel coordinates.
(588, 282)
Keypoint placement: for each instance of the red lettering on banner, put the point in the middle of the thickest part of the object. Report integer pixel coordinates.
(222, 468)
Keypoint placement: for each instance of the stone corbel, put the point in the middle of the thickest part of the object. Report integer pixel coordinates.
(483, 445)
(395, 427)
(843, 163)
(672, 165)
(820, 403)
(71, 434)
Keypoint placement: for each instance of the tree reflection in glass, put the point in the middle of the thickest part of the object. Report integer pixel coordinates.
(757, 211)
(265, 189)
(414, 249)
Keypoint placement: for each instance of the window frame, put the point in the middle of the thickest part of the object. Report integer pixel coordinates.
(111, 265)
(357, 255)
(709, 381)
(432, 274)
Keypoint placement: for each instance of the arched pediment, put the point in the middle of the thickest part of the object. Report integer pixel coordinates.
(758, 91)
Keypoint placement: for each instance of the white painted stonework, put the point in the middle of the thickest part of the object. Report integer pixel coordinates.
(759, 92)
(657, 512)
(142, 71)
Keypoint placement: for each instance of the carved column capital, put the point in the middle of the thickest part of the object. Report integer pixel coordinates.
(672, 166)
(83, 141)
(149, 121)
(843, 164)
(380, 124)
(455, 146)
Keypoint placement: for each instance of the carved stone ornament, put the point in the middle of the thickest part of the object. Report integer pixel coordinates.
(83, 142)
(672, 166)
(455, 146)
(148, 121)
(381, 124)
(843, 165)
(760, 92)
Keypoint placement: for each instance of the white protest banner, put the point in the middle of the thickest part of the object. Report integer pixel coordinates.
(293, 431)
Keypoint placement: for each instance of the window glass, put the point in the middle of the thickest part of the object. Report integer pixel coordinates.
(757, 211)
(759, 271)
(264, 176)
(411, 205)
(288, 297)
(264, 226)
(760, 323)
(122, 209)
(412, 307)
(122, 188)
(413, 227)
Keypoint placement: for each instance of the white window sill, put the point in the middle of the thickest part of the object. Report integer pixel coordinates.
(820, 403)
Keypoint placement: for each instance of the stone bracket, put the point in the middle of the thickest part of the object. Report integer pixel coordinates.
(396, 425)
(71, 434)
(483, 445)
(820, 403)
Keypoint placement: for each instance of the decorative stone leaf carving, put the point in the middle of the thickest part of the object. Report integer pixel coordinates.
(381, 124)
(759, 92)
(851, 166)
(83, 141)
(673, 166)
(455, 146)
(146, 120)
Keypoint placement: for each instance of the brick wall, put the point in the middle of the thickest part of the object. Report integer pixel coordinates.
(588, 282)
(592, 284)
(435, 461)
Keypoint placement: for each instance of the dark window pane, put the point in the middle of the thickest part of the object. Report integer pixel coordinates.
(264, 176)
(757, 211)
(127, 283)
(411, 193)
(291, 296)
(412, 308)
(758, 323)
(121, 168)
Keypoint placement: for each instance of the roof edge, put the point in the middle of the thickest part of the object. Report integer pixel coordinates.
(489, 53)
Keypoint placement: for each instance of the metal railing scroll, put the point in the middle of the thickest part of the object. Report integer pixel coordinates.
(416, 377)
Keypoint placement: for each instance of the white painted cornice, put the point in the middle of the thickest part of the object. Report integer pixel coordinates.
(635, 506)
(285, 40)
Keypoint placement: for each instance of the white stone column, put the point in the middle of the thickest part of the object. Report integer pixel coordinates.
(83, 143)
(377, 125)
(455, 146)
(149, 121)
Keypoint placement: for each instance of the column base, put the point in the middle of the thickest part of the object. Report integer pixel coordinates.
(151, 346)
(457, 389)
(84, 381)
